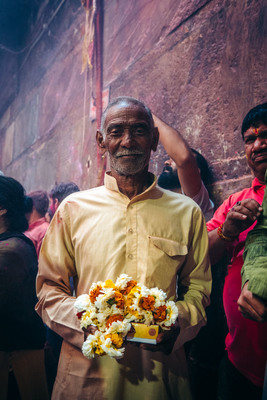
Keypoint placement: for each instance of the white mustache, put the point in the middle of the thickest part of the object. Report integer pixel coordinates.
(129, 153)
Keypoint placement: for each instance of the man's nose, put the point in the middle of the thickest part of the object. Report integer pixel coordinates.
(260, 143)
(127, 138)
(168, 162)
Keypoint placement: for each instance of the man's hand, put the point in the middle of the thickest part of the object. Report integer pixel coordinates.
(241, 217)
(251, 306)
(165, 340)
(90, 330)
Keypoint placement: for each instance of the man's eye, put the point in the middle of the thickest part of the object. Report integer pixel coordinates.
(140, 131)
(115, 132)
(249, 140)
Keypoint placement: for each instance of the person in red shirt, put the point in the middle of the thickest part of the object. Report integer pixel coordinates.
(242, 371)
(36, 218)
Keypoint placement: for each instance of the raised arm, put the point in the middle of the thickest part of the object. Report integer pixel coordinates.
(179, 150)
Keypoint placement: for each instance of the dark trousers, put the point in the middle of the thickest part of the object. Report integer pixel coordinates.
(233, 385)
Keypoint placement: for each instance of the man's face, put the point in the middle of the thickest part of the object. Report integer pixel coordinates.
(168, 179)
(255, 139)
(129, 139)
(170, 167)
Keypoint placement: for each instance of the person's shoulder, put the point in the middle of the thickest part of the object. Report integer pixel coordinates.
(83, 194)
(238, 196)
(178, 200)
(17, 244)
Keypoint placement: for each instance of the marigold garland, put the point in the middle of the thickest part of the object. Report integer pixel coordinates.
(112, 307)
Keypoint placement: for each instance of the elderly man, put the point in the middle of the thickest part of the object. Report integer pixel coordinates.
(243, 367)
(129, 226)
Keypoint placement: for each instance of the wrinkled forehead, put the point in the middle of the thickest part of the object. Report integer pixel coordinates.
(126, 112)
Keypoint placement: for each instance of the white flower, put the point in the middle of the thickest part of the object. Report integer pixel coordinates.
(89, 317)
(147, 317)
(159, 295)
(144, 292)
(171, 314)
(122, 281)
(82, 302)
(122, 327)
(89, 345)
(101, 300)
(111, 351)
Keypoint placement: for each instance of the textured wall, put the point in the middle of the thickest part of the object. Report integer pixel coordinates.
(199, 65)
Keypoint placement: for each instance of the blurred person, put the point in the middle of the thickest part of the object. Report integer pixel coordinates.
(36, 218)
(242, 369)
(54, 341)
(22, 333)
(186, 171)
(59, 192)
(131, 226)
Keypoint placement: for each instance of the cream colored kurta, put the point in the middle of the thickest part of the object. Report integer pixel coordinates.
(97, 235)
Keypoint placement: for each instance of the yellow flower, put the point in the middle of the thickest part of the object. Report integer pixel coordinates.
(109, 284)
(116, 339)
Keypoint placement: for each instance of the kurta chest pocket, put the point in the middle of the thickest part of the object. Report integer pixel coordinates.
(164, 259)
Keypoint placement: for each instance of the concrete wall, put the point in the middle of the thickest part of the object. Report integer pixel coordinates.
(200, 65)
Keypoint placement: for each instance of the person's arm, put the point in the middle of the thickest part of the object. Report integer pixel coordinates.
(238, 219)
(56, 265)
(195, 279)
(178, 149)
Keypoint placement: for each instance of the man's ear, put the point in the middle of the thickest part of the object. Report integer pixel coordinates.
(155, 139)
(100, 142)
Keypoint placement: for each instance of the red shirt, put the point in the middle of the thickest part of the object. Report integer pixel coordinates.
(246, 342)
(36, 233)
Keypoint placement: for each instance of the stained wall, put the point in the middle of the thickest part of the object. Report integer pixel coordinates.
(199, 65)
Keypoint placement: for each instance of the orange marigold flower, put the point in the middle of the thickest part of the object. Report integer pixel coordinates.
(119, 299)
(129, 287)
(94, 293)
(160, 313)
(147, 303)
(113, 318)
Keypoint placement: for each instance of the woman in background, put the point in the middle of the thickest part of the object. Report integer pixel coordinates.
(22, 333)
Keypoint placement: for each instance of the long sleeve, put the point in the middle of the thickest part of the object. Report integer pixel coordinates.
(56, 265)
(195, 277)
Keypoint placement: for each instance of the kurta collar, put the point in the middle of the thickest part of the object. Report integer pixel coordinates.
(111, 184)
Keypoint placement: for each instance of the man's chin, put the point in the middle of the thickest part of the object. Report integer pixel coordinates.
(260, 171)
(130, 171)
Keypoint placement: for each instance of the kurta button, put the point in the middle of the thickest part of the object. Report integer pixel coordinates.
(130, 256)
(130, 230)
